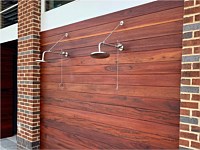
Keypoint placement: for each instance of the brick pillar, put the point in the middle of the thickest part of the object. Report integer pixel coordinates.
(190, 78)
(28, 74)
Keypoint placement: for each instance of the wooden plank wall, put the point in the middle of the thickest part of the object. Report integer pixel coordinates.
(8, 88)
(89, 113)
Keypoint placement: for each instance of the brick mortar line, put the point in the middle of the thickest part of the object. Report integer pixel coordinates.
(189, 100)
(190, 117)
(191, 81)
(189, 15)
(27, 139)
(192, 109)
(191, 46)
(21, 121)
(188, 139)
(189, 77)
(29, 107)
(182, 100)
(190, 85)
(189, 93)
(191, 70)
(189, 39)
(30, 110)
(29, 84)
(186, 108)
(191, 54)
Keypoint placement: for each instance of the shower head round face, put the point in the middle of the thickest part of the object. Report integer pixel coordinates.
(99, 55)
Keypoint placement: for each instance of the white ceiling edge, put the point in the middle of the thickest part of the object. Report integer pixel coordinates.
(80, 10)
(9, 33)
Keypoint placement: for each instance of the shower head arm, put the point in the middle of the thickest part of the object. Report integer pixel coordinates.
(61, 53)
(111, 45)
(119, 46)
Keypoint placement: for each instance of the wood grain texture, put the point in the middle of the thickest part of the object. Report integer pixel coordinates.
(128, 56)
(89, 113)
(121, 111)
(173, 27)
(130, 24)
(80, 122)
(168, 80)
(125, 69)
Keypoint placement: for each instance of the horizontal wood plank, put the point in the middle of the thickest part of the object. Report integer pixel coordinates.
(86, 119)
(120, 111)
(172, 67)
(167, 80)
(153, 92)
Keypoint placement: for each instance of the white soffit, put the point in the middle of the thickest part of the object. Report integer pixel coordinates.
(80, 10)
(8, 33)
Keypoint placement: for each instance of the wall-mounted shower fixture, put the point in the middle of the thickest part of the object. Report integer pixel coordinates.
(50, 50)
(100, 54)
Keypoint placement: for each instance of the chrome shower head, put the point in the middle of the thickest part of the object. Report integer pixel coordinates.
(99, 55)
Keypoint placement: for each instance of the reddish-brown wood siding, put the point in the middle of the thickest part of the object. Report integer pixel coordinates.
(89, 112)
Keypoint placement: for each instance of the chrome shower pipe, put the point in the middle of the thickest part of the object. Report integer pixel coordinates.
(119, 46)
(42, 60)
(61, 53)
(50, 50)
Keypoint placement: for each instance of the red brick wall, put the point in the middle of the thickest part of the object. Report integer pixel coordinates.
(190, 80)
(28, 75)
